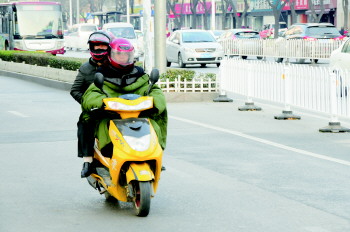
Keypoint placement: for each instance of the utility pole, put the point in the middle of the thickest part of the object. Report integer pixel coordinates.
(70, 14)
(78, 13)
(159, 35)
(147, 37)
(128, 11)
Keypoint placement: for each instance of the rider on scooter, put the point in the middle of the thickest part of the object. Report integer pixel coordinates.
(123, 77)
(98, 46)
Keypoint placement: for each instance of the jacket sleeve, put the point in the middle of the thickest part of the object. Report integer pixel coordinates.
(158, 99)
(92, 98)
(77, 88)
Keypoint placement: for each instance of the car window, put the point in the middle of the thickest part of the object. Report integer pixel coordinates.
(198, 36)
(317, 31)
(88, 28)
(297, 31)
(346, 47)
(123, 32)
(246, 34)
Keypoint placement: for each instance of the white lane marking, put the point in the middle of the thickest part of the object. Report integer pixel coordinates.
(288, 148)
(18, 114)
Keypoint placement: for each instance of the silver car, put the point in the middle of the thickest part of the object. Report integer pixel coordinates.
(193, 47)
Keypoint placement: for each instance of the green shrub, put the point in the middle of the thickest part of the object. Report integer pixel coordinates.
(70, 63)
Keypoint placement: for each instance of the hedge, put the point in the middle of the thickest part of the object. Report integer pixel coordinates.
(71, 63)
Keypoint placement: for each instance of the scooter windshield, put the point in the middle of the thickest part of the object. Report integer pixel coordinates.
(130, 96)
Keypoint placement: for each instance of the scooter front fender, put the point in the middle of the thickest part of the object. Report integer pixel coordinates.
(139, 172)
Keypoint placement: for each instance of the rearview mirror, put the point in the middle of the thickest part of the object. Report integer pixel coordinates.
(154, 76)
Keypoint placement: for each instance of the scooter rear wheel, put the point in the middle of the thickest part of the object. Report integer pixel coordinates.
(142, 200)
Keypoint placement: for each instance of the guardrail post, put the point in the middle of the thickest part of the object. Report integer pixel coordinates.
(287, 113)
(222, 95)
(249, 104)
(334, 124)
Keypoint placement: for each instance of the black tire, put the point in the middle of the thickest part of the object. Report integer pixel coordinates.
(259, 57)
(142, 199)
(217, 64)
(168, 64)
(300, 61)
(180, 61)
(315, 61)
(279, 60)
(244, 57)
(203, 65)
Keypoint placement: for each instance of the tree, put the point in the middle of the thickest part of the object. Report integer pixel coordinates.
(314, 17)
(207, 12)
(224, 7)
(277, 7)
(193, 5)
(171, 9)
(345, 4)
(292, 11)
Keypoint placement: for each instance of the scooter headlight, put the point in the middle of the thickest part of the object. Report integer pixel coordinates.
(120, 106)
(138, 144)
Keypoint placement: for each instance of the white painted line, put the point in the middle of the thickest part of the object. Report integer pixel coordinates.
(18, 114)
(278, 145)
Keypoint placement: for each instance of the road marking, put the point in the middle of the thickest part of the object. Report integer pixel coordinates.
(18, 114)
(288, 148)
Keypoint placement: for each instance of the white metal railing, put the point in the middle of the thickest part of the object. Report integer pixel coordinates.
(302, 86)
(280, 48)
(194, 85)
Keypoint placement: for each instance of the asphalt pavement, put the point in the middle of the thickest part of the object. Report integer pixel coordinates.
(227, 170)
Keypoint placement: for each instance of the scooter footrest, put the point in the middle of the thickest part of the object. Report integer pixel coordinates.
(104, 173)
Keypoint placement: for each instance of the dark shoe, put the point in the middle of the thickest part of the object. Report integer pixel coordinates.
(87, 170)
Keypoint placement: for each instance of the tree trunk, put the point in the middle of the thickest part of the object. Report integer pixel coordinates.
(345, 4)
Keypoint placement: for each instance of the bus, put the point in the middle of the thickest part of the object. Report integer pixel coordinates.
(32, 26)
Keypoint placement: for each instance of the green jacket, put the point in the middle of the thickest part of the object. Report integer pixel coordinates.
(159, 118)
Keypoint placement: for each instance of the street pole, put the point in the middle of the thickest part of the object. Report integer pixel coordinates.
(128, 11)
(147, 37)
(78, 14)
(213, 14)
(159, 35)
(70, 14)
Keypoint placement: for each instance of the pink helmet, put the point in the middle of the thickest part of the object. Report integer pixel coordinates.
(99, 38)
(121, 55)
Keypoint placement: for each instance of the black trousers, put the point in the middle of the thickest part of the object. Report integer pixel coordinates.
(86, 137)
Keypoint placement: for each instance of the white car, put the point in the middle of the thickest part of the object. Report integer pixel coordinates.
(126, 31)
(340, 64)
(78, 35)
(340, 57)
(193, 47)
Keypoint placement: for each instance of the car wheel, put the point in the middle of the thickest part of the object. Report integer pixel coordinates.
(259, 57)
(168, 64)
(300, 61)
(244, 57)
(203, 65)
(217, 64)
(314, 61)
(278, 60)
(180, 62)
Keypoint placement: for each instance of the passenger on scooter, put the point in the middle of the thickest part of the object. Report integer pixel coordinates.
(123, 77)
(99, 46)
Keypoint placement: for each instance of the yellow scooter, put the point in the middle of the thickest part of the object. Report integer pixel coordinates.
(133, 171)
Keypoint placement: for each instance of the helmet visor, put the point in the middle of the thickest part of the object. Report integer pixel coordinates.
(122, 57)
(99, 38)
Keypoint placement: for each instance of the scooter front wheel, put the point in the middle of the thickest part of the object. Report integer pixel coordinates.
(142, 199)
